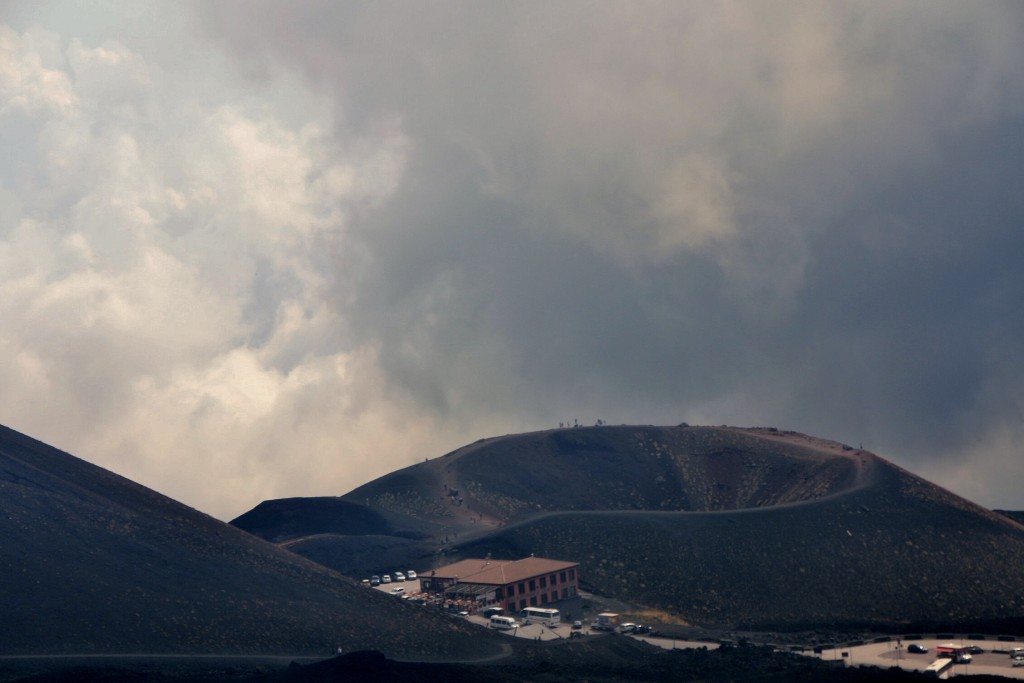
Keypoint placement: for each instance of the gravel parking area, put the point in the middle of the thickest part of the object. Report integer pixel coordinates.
(895, 653)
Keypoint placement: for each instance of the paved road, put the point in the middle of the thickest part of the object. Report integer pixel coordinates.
(673, 644)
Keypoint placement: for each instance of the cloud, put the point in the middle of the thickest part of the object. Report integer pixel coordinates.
(293, 247)
(684, 210)
(163, 275)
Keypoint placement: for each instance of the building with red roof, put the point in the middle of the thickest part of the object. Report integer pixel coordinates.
(511, 584)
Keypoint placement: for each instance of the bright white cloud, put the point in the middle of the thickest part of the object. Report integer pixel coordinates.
(30, 81)
(161, 280)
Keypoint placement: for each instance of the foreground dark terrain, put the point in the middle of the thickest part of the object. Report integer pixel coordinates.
(720, 527)
(91, 563)
(596, 660)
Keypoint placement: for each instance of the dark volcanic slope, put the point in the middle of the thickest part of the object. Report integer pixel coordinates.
(721, 526)
(889, 548)
(890, 553)
(289, 518)
(613, 468)
(497, 481)
(91, 562)
(1015, 515)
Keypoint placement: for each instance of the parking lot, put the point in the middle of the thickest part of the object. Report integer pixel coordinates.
(895, 653)
(410, 590)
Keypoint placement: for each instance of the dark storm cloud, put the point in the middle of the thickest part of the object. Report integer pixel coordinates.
(804, 215)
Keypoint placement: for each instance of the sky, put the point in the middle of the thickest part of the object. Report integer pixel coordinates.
(253, 250)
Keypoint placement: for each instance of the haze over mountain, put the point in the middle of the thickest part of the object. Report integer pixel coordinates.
(93, 563)
(719, 526)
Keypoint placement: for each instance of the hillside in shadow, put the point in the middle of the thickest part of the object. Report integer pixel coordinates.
(718, 526)
(93, 563)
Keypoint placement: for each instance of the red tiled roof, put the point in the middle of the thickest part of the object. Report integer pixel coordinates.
(499, 572)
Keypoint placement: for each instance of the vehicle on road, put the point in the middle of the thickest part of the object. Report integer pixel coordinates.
(541, 615)
(917, 649)
(938, 668)
(502, 623)
(606, 621)
(974, 649)
(397, 591)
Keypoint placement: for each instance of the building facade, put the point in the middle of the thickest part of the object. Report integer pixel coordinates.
(510, 584)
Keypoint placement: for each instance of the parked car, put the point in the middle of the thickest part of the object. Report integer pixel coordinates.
(577, 625)
(917, 649)
(410, 575)
(642, 629)
(374, 580)
(628, 627)
(1018, 662)
(386, 578)
(399, 576)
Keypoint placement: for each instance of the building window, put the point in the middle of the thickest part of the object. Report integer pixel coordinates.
(563, 577)
(533, 601)
(572, 574)
(543, 598)
(522, 588)
(533, 585)
(543, 582)
(498, 595)
(554, 579)
(565, 593)
(522, 604)
(511, 589)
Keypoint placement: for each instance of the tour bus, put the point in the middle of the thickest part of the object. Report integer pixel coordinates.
(541, 615)
(939, 668)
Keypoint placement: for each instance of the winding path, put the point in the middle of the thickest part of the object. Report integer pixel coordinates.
(865, 474)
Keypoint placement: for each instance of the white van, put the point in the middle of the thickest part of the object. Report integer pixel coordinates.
(503, 623)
